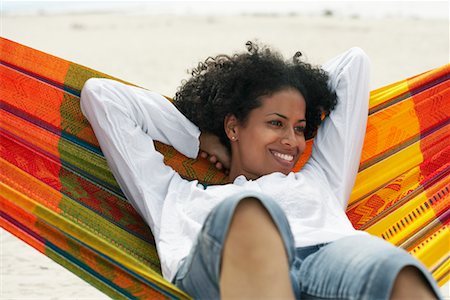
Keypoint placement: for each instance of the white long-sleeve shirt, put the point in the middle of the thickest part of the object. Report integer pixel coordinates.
(126, 121)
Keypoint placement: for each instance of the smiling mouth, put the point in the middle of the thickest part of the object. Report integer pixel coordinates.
(286, 158)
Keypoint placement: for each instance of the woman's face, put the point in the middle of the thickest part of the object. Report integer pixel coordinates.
(272, 139)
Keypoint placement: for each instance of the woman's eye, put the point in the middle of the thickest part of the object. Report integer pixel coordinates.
(300, 129)
(275, 123)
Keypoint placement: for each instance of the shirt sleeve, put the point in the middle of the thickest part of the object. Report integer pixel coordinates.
(126, 120)
(338, 144)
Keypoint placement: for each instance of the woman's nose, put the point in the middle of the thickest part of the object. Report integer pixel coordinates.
(289, 138)
(294, 140)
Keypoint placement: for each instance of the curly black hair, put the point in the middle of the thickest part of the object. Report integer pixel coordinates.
(224, 85)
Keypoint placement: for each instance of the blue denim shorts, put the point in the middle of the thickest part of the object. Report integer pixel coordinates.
(357, 267)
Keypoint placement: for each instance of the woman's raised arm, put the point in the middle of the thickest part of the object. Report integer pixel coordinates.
(126, 120)
(338, 144)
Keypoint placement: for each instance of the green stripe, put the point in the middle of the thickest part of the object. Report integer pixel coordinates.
(102, 284)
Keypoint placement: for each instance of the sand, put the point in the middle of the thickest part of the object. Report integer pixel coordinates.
(156, 51)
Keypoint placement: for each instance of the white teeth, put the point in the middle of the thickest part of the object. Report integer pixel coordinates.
(286, 157)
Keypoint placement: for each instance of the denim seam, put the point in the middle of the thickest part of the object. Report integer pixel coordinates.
(371, 280)
(400, 264)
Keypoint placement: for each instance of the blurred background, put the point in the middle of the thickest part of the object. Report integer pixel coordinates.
(155, 43)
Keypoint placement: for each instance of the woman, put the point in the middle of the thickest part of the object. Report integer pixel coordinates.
(268, 233)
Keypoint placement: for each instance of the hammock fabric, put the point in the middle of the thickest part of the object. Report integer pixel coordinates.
(58, 195)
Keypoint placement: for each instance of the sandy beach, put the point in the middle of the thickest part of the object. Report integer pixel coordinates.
(155, 51)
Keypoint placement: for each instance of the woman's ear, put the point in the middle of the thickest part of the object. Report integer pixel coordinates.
(231, 126)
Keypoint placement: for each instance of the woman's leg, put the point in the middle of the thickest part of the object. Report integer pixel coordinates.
(360, 267)
(254, 263)
(411, 284)
(245, 248)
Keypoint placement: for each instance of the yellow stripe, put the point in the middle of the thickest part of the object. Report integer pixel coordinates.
(86, 276)
(436, 247)
(442, 274)
(381, 228)
(388, 92)
(406, 220)
(376, 176)
(433, 253)
(390, 194)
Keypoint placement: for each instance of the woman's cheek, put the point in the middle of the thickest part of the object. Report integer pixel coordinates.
(303, 145)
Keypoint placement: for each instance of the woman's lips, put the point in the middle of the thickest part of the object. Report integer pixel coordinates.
(283, 158)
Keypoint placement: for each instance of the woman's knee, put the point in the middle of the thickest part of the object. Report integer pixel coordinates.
(410, 283)
(259, 215)
(249, 212)
(247, 208)
(257, 226)
(253, 235)
(252, 226)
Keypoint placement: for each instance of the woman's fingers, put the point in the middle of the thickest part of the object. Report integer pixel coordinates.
(214, 160)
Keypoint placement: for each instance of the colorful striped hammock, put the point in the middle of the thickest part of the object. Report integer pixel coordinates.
(58, 195)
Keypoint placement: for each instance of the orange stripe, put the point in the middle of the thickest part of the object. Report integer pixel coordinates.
(436, 109)
(34, 61)
(368, 208)
(24, 184)
(37, 136)
(31, 96)
(422, 79)
(433, 105)
(22, 217)
(389, 128)
(30, 161)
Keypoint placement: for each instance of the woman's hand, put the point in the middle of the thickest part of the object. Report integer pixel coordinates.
(212, 149)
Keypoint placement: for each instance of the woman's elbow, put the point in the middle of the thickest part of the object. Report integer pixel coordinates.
(90, 94)
(359, 56)
(91, 87)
